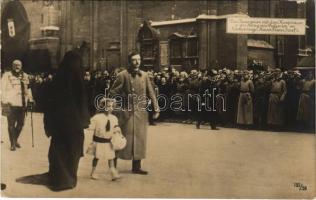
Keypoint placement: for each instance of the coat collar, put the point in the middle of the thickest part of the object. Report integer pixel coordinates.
(17, 74)
(134, 73)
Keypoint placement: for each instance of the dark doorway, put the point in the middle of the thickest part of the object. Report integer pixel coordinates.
(15, 33)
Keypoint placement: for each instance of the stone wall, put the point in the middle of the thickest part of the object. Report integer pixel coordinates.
(100, 23)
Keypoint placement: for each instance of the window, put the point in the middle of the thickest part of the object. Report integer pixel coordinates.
(147, 51)
(192, 51)
(148, 38)
(164, 57)
(192, 47)
(183, 50)
(176, 49)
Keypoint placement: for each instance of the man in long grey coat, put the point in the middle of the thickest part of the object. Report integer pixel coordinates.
(133, 90)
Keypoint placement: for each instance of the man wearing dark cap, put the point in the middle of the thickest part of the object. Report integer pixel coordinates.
(207, 86)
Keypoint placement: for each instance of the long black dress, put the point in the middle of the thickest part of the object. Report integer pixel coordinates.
(65, 117)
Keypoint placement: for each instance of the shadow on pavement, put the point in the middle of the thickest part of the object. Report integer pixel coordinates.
(36, 179)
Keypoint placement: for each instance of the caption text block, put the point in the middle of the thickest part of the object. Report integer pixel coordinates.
(271, 26)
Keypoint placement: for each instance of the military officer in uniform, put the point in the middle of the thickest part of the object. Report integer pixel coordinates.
(16, 95)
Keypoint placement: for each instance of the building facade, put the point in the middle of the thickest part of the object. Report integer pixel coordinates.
(183, 34)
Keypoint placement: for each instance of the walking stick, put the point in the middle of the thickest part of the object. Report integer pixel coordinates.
(32, 124)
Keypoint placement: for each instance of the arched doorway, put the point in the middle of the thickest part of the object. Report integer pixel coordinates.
(148, 39)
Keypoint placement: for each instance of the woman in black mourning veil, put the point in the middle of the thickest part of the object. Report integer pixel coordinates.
(66, 115)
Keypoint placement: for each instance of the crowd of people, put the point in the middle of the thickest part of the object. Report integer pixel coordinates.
(260, 87)
(260, 99)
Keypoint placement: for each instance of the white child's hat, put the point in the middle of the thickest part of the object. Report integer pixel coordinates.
(118, 141)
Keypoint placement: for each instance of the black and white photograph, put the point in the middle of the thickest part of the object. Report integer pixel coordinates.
(210, 99)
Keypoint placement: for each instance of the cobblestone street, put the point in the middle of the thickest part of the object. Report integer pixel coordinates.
(182, 162)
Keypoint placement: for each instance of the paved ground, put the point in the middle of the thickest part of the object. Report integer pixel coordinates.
(183, 162)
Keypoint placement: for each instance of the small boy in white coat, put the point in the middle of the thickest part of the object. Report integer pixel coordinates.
(104, 125)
